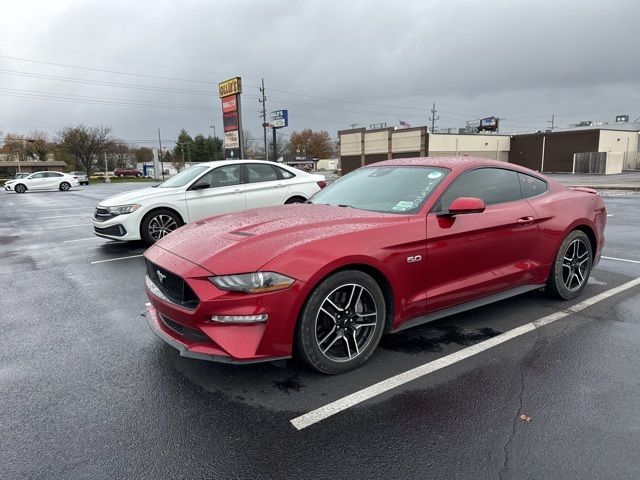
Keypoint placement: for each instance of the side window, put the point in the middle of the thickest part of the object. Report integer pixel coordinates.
(285, 173)
(258, 172)
(52, 174)
(493, 185)
(37, 175)
(531, 186)
(222, 176)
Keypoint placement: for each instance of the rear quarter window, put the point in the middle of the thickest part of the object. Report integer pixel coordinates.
(531, 186)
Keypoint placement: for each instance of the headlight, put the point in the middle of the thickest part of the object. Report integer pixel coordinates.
(258, 282)
(121, 209)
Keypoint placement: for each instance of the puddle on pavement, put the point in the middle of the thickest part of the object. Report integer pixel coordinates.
(434, 339)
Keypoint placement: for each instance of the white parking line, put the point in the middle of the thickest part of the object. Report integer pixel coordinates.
(68, 226)
(83, 239)
(115, 259)
(344, 403)
(60, 216)
(621, 259)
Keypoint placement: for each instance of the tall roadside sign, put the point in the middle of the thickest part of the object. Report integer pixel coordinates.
(279, 119)
(229, 92)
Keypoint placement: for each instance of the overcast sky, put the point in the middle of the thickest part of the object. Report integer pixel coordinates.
(141, 65)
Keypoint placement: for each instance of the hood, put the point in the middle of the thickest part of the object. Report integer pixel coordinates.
(136, 196)
(245, 241)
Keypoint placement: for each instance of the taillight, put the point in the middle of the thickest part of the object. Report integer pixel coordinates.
(322, 183)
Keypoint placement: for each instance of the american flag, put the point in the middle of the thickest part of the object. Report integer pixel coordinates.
(404, 124)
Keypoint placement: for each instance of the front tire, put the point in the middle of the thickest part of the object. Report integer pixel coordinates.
(64, 186)
(157, 224)
(571, 269)
(295, 200)
(20, 188)
(341, 323)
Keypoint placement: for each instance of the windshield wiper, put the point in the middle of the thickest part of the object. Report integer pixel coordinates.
(344, 205)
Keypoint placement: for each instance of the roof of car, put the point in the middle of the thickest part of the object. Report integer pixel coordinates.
(452, 163)
(228, 162)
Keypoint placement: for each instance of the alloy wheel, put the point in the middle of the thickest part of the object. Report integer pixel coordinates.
(346, 322)
(575, 264)
(161, 225)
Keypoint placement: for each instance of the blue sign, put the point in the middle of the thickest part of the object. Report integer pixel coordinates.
(279, 118)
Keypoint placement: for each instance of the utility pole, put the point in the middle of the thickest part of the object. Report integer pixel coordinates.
(106, 175)
(552, 121)
(160, 154)
(263, 115)
(275, 146)
(433, 117)
(215, 145)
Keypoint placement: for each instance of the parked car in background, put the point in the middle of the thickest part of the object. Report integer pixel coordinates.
(82, 177)
(42, 181)
(200, 191)
(21, 175)
(387, 247)
(127, 172)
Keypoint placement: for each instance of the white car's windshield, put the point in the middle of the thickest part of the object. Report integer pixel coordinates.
(396, 189)
(184, 177)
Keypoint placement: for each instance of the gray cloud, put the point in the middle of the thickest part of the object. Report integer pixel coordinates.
(330, 63)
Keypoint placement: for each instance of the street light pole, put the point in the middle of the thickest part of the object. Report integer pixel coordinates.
(215, 143)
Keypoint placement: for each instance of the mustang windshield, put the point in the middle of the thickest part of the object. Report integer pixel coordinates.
(184, 177)
(395, 189)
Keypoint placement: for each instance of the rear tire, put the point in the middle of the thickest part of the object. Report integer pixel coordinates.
(342, 322)
(64, 186)
(571, 269)
(157, 224)
(20, 188)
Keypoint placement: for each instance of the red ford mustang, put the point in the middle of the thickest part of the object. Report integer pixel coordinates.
(384, 248)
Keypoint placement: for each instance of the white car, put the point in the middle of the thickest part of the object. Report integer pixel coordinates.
(200, 191)
(42, 181)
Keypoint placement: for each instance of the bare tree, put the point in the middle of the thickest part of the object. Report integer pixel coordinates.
(38, 145)
(84, 143)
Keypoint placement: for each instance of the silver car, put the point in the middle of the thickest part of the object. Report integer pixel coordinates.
(82, 177)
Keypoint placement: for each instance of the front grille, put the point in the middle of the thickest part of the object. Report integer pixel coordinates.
(113, 230)
(185, 332)
(102, 214)
(173, 287)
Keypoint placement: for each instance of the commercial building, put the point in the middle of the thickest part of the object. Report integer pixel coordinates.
(360, 147)
(9, 168)
(604, 149)
(585, 150)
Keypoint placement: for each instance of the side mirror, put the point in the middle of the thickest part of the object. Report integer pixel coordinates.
(464, 205)
(199, 185)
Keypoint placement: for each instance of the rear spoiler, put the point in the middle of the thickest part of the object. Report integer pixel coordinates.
(584, 189)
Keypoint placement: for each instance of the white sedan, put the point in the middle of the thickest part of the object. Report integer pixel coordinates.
(42, 181)
(200, 191)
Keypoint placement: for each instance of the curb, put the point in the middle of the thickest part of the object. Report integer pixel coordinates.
(608, 187)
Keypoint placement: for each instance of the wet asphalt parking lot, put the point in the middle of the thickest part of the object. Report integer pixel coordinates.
(87, 390)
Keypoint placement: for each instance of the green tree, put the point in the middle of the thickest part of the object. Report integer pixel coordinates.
(84, 143)
(184, 145)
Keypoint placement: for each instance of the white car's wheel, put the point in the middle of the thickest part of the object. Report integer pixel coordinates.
(64, 186)
(20, 188)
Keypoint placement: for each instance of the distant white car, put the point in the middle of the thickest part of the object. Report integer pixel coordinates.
(200, 191)
(42, 181)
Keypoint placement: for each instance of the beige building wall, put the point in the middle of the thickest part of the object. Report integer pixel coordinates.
(494, 147)
(620, 146)
(376, 142)
(406, 141)
(350, 144)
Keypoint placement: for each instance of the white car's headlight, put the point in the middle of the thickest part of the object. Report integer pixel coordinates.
(121, 209)
(258, 282)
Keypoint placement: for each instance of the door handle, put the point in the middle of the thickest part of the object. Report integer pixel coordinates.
(279, 185)
(237, 190)
(525, 220)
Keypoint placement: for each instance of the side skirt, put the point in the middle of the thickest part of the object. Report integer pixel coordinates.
(463, 307)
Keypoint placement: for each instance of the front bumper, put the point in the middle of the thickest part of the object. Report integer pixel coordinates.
(194, 335)
(124, 227)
